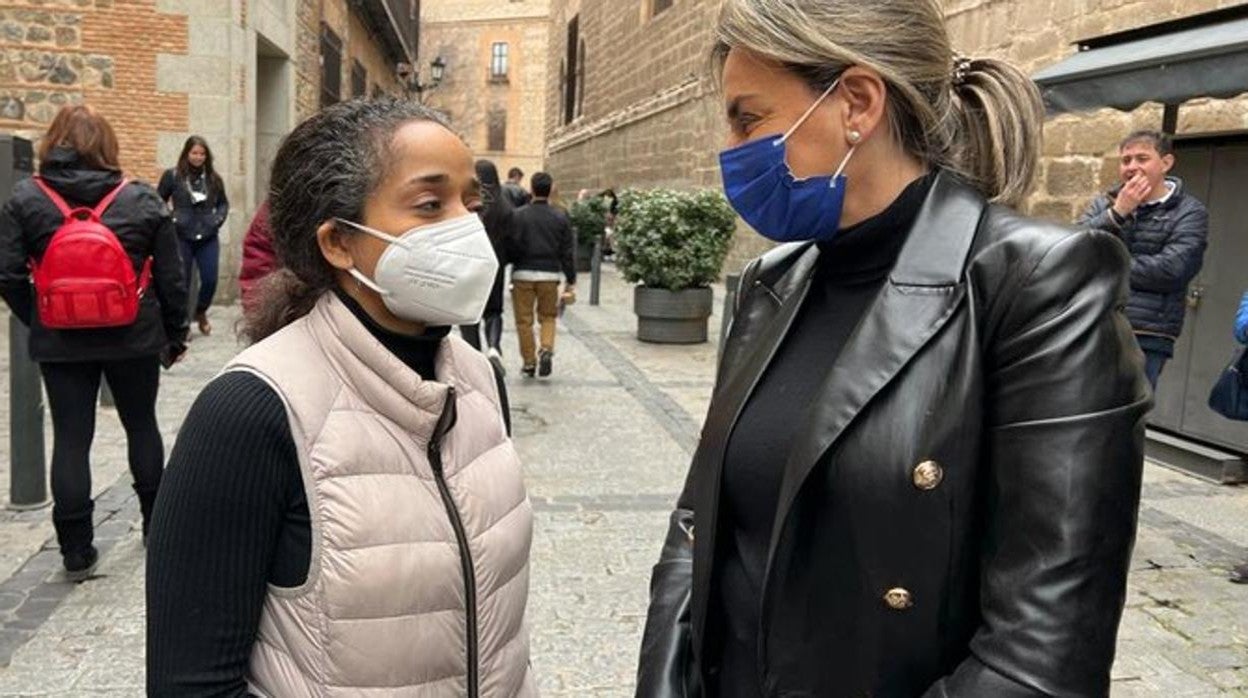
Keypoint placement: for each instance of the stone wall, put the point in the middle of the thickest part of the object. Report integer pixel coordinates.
(651, 118)
(654, 122)
(463, 33)
(1080, 150)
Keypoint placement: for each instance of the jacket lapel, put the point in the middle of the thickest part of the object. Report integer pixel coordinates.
(739, 382)
(922, 293)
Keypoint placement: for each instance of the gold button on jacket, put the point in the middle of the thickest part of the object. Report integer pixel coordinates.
(928, 475)
(898, 599)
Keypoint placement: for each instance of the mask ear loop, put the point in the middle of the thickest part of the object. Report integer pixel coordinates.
(841, 170)
(360, 278)
(811, 110)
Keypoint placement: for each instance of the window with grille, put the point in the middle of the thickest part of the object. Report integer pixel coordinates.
(359, 79)
(499, 61)
(331, 66)
(496, 136)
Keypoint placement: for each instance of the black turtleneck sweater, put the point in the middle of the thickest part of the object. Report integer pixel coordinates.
(849, 274)
(231, 519)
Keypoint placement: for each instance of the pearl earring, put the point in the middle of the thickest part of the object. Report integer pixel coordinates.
(854, 137)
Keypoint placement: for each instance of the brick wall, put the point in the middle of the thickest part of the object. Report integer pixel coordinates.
(463, 34)
(651, 115)
(57, 52)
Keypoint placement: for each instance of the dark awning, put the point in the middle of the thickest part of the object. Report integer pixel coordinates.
(1204, 56)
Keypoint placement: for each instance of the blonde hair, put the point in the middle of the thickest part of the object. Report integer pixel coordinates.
(981, 118)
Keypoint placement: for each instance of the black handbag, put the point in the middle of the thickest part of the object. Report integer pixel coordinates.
(1229, 396)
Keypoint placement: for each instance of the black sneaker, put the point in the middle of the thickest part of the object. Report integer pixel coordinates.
(544, 361)
(1239, 575)
(80, 565)
(529, 371)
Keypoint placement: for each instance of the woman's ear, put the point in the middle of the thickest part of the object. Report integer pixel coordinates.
(333, 244)
(864, 92)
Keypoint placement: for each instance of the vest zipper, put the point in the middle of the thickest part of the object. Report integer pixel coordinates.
(445, 422)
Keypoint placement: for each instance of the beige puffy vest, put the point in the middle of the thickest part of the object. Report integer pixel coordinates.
(390, 601)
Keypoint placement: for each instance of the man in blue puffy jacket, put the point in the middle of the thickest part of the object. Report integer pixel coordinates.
(1165, 229)
(1239, 575)
(1241, 321)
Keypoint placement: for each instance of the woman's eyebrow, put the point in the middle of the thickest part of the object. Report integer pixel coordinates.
(437, 178)
(734, 107)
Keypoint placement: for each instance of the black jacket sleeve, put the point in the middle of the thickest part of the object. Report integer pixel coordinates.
(14, 274)
(168, 182)
(1064, 452)
(1179, 261)
(231, 479)
(168, 278)
(222, 210)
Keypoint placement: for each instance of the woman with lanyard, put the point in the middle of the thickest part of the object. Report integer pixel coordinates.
(920, 470)
(196, 194)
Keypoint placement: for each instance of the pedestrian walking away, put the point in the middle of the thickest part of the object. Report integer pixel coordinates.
(542, 254)
(514, 189)
(497, 215)
(196, 193)
(344, 512)
(1166, 230)
(920, 469)
(119, 236)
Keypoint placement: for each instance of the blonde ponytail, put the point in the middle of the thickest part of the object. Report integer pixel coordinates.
(997, 118)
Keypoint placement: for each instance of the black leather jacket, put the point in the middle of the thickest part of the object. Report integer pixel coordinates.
(957, 515)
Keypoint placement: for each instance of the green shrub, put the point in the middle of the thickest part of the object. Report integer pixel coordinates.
(673, 239)
(589, 220)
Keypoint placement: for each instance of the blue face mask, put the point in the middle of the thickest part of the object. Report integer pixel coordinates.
(778, 205)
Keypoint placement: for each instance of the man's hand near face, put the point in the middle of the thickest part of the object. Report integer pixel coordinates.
(1133, 193)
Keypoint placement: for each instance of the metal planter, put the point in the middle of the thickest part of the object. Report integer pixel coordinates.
(672, 317)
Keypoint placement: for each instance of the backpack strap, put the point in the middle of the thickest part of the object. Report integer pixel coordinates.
(107, 201)
(53, 195)
(64, 207)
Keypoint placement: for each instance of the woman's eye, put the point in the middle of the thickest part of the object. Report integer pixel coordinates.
(429, 206)
(745, 123)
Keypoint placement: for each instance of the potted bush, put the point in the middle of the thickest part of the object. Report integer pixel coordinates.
(673, 244)
(589, 220)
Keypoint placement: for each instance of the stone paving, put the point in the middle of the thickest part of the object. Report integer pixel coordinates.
(605, 442)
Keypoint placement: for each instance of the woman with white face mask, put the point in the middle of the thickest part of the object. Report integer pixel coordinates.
(344, 507)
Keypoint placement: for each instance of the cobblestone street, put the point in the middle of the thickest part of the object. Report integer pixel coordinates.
(605, 442)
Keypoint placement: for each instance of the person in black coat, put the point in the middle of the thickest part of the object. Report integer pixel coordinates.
(542, 253)
(920, 470)
(1166, 230)
(496, 213)
(200, 207)
(79, 160)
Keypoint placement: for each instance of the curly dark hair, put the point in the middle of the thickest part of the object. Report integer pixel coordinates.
(325, 170)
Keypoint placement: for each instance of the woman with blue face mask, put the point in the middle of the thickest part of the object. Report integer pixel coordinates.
(920, 470)
(345, 512)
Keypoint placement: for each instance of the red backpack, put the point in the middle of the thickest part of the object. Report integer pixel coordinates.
(85, 278)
